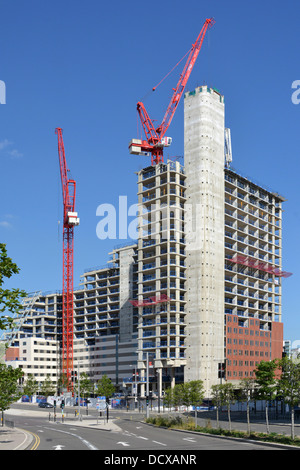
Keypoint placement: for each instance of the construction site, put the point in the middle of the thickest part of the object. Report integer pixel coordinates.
(196, 297)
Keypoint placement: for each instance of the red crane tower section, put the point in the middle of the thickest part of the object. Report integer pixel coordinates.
(70, 220)
(155, 137)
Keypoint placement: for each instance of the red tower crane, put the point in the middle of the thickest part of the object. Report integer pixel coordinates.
(70, 220)
(155, 137)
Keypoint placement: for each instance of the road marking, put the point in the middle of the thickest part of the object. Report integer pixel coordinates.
(189, 439)
(37, 440)
(161, 443)
(58, 447)
(26, 432)
(142, 437)
(87, 443)
(125, 444)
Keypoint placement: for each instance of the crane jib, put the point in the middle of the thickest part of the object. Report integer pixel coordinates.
(154, 137)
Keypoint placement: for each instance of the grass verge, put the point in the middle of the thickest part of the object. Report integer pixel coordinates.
(189, 425)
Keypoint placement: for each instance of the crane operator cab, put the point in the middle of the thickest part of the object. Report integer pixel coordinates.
(73, 218)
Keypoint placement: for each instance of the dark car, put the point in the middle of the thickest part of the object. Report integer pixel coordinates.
(45, 405)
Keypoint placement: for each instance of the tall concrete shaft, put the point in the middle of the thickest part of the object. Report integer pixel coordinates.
(204, 229)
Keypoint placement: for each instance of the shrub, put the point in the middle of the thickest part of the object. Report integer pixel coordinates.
(179, 423)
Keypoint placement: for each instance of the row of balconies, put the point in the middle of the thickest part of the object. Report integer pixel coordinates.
(247, 292)
(161, 169)
(107, 274)
(96, 326)
(162, 321)
(241, 279)
(159, 240)
(248, 198)
(164, 332)
(95, 302)
(264, 305)
(162, 181)
(255, 233)
(251, 312)
(248, 219)
(248, 187)
(254, 242)
(253, 253)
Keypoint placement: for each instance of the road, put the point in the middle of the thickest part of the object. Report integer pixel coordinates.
(132, 435)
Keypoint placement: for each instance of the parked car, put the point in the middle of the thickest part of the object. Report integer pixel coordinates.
(45, 405)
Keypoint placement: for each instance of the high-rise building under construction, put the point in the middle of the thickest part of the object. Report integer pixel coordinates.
(199, 294)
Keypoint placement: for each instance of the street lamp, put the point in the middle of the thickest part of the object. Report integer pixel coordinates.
(147, 386)
(135, 384)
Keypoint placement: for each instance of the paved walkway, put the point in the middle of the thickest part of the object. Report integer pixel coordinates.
(14, 439)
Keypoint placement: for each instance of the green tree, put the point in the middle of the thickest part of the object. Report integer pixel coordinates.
(86, 387)
(106, 389)
(9, 298)
(216, 399)
(288, 386)
(31, 386)
(194, 392)
(9, 387)
(47, 387)
(178, 395)
(246, 393)
(266, 384)
(227, 398)
(168, 397)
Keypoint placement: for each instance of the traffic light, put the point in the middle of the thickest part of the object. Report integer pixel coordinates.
(73, 376)
(221, 370)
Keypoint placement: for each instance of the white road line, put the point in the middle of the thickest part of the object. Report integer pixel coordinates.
(27, 436)
(87, 443)
(161, 443)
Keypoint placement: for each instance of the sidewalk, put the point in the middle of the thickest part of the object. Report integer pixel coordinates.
(14, 439)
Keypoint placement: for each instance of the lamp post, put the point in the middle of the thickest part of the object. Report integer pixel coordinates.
(135, 384)
(147, 386)
(78, 393)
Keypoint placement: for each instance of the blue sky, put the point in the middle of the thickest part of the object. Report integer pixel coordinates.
(83, 66)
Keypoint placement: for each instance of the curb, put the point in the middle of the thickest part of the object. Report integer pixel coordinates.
(238, 439)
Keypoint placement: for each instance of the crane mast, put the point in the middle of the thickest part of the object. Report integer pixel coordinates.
(155, 137)
(70, 220)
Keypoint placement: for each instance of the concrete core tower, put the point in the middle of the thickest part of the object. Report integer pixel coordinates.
(204, 229)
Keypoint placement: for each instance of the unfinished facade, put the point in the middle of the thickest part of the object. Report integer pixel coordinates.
(199, 294)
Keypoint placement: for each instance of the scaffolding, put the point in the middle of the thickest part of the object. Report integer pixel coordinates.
(260, 265)
(19, 318)
(150, 301)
